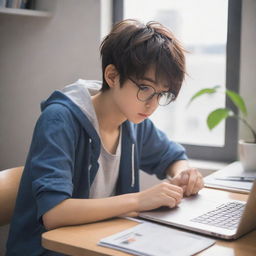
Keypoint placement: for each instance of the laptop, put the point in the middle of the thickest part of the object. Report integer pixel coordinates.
(205, 214)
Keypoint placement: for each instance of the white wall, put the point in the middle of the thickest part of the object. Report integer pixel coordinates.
(248, 64)
(37, 56)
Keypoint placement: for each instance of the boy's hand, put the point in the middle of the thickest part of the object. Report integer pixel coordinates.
(163, 194)
(190, 180)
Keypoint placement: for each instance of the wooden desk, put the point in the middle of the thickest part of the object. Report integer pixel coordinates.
(82, 240)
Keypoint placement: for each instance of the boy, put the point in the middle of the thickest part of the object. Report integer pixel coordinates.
(92, 139)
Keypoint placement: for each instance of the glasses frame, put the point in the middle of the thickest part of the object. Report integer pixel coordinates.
(172, 96)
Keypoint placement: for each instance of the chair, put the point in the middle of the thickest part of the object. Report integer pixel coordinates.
(9, 184)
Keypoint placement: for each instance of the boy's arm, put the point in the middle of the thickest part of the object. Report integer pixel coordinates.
(80, 211)
(157, 151)
(177, 167)
(181, 174)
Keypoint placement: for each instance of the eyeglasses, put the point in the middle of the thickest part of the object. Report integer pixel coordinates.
(147, 92)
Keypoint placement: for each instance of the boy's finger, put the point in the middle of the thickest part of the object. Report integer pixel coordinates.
(184, 187)
(199, 185)
(175, 195)
(191, 184)
(184, 178)
(176, 188)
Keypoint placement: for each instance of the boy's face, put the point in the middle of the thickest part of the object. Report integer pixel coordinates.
(128, 98)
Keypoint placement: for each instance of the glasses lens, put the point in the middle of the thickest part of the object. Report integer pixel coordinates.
(145, 93)
(165, 99)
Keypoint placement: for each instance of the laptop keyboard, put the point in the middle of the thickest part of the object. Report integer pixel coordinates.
(224, 216)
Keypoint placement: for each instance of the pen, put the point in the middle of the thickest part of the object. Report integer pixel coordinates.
(237, 178)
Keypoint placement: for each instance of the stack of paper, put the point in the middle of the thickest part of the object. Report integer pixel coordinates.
(150, 239)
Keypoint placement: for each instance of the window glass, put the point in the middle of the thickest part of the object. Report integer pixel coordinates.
(201, 26)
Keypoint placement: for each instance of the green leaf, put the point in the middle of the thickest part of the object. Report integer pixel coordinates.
(204, 91)
(216, 116)
(237, 100)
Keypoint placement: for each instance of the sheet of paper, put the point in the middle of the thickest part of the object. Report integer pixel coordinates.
(150, 239)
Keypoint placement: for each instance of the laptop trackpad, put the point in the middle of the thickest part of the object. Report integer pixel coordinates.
(189, 208)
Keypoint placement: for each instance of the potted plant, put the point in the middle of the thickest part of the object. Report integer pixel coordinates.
(247, 149)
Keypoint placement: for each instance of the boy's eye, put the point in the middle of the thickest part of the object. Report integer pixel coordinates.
(144, 88)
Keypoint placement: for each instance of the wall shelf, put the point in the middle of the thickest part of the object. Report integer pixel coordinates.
(25, 12)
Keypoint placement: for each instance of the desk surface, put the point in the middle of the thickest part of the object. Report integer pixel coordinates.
(82, 240)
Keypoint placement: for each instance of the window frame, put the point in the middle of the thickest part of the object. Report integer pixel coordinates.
(228, 152)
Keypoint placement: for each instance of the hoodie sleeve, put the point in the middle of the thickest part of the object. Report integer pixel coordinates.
(158, 152)
(51, 158)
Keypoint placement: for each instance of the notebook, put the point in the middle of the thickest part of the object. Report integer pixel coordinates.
(219, 179)
(228, 219)
(150, 239)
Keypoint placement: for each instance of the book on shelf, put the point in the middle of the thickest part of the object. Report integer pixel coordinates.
(22, 4)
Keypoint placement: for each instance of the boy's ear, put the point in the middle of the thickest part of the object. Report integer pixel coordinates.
(111, 75)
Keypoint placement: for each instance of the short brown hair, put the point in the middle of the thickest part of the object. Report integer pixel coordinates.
(133, 48)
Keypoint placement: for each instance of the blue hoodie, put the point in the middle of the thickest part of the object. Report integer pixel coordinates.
(62, 163)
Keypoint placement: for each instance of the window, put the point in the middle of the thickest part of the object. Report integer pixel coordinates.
(210, 31)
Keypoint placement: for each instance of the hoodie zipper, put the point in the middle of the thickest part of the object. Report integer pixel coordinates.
(133, 172)
(90, 164)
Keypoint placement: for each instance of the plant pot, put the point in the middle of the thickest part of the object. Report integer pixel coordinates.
(247, 155)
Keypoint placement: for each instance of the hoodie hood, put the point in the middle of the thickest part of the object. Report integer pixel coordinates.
(72, 97)
(80, 93)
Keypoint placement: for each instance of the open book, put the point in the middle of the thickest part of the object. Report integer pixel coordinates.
(150, 239)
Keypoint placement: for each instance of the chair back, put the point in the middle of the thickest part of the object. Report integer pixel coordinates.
(9, 184)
